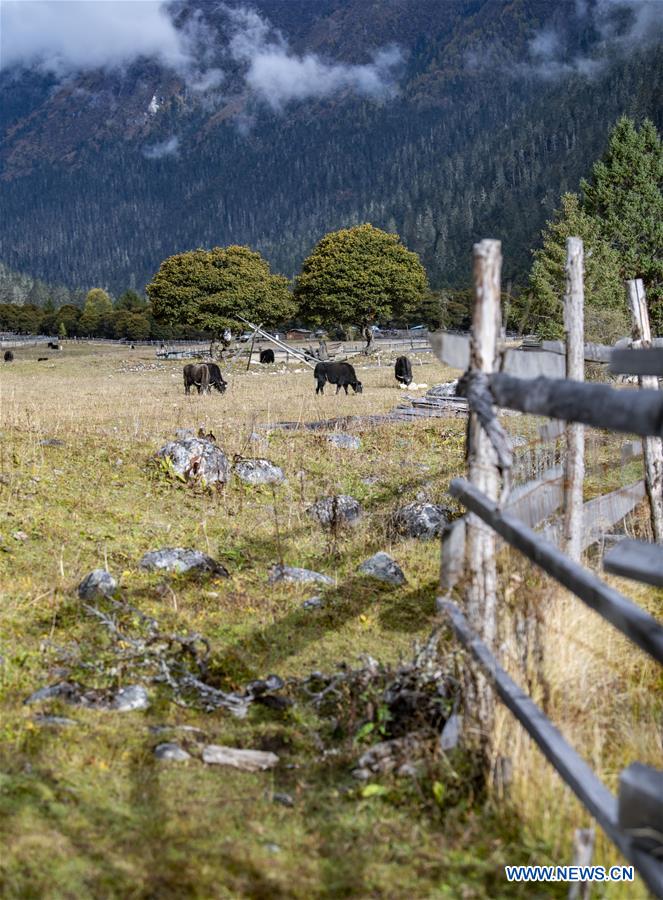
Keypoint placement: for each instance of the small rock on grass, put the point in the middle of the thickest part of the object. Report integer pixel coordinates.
(337, 510)
(283, 799)
(258, 471)
(421, 520)
(172, 752)
(246, 760)
(98, 583)
(294, 574)
(56, 721)
(344, 441)
(384, 568)
(132, 697)
(178, 559)
(313, 603)
(197, 459)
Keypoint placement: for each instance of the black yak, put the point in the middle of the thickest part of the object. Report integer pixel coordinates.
(266, 356)
(342, 374)
(9, 356)
(403, 370)
(196, 376)
(216, 378)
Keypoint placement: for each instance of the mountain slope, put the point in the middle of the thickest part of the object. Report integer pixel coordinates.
(105, 174)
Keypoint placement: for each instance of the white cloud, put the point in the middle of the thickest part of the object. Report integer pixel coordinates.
(61, 36)
(169, 147)
(278, 76)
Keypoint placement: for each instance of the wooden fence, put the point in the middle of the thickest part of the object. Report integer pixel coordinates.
(634, 819)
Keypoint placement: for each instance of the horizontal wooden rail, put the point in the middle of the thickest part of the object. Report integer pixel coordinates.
(637, 560)
(634, 412)
(646, 361)
(587, 787)
(632, 621)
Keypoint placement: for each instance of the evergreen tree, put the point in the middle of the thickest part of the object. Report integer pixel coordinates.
(206, 290)
(541, 308)
(360, 276)
(62, 331)
(624, 194)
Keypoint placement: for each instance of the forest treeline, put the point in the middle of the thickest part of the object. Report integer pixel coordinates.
(361, 276)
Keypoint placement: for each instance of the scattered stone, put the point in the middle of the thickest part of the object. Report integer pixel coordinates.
(56, 721)
(62, 689)
(283, 799)
(197, 459)
(246, 760)
(392, 755)
(336, 510)
(172, 752)
(450, 737)
(421, 520)
(98, 583)
(52, 442)
(258, 471)
(447, 389)
(189, 729)
(292, 573)
(344, 441)
(130, 698)
(384, 568)
(19, 536)
(313, 603)
(178, 559)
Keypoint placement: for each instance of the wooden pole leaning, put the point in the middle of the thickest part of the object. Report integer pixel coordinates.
(652, 447)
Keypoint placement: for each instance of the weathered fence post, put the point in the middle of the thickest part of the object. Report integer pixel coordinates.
(481, 597)
(574, 304)
(652, 448)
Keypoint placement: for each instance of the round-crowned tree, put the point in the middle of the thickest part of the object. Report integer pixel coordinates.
(358, 276)
(207, 290)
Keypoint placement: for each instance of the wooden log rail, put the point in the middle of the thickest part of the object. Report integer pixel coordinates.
(587, 787)
(632, 621)
(633, 412)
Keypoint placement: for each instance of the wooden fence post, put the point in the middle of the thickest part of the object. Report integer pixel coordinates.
(652, 448)
(574, 301)
(481, 596)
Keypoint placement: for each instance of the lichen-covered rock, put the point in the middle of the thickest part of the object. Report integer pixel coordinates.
(384, 568)
(197, 459)
(344, 441)
(258, 471)
(292, 573)
(447, 389)
(179, 559)
(421, 520)
(313, 603)
(246, 760)
(134, 696)
(98, 583)
(337, 510)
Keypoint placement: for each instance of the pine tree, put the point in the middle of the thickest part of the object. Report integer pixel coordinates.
(540, 310)
(624, 194)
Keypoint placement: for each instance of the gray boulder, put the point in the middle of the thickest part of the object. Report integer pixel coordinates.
(421, 520)
(98, 583)
(336, 510)
(344, 441)
(313, 603)
(178, 559)
(292, 573)
(384, 568)
(446, 389)
(246, 760)
(197, 459)
(134, 696)
(258, 471)
(171, 752)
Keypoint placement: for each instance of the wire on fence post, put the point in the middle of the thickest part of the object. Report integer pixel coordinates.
(481, 595)
(575, 370)
(652, 448)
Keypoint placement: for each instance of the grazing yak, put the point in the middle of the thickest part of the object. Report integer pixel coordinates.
(216, 378)
(341, 374)
(42, 358)
(196, 376)
(266, 357)
(403, 370)
(203, 377)
(9, 356)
